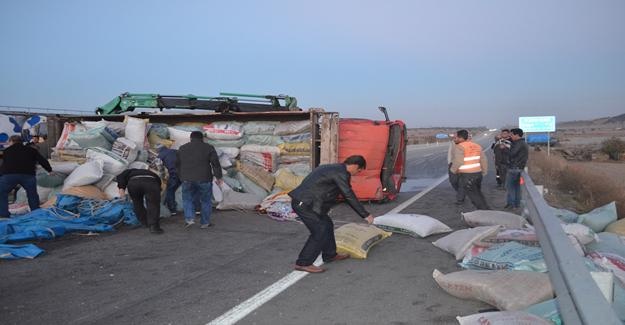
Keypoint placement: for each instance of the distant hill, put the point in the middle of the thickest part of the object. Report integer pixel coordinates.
(598, 122)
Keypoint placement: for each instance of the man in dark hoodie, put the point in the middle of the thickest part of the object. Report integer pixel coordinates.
(19, 167)
(143, 185)
(197, 162)
(517, 158)
(312, 201)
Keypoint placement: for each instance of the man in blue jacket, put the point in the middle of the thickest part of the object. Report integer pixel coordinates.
(168, 157)
(312, 201)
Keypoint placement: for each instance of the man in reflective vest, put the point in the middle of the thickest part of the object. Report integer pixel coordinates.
(470, 164)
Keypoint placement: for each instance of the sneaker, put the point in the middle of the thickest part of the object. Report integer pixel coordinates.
(197, 213)
(174, 213)
(188, 224)
(206, 225)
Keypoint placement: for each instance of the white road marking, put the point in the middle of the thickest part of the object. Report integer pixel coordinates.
(418, 195)
(245, 308)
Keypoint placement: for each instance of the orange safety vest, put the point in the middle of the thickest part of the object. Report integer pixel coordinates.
(472, 152)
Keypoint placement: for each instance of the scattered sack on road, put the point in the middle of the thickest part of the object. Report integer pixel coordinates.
(612, 262)
(608, 243)
(509, 256)
(239, 201)
(582, 233)
(415, 225)
(565, 215)
(502, 318)
(617, 227)
(506, 290)
(525, 236)
(599, 218)
(458, 242)
(356, 239)
(493, 217)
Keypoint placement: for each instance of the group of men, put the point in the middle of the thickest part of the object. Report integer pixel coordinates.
(193, 166)
(468, 165)
(511, 154)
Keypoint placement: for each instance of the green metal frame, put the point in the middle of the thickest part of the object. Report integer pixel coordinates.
(129, 101)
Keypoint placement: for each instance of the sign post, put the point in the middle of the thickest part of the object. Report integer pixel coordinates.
(539, 124)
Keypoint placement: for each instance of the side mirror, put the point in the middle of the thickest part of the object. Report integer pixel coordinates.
(383, 110)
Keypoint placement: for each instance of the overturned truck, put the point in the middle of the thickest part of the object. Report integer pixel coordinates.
(264, 154)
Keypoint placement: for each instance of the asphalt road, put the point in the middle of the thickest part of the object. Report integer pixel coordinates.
(193, 276)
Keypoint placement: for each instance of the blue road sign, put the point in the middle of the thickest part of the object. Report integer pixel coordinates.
(537, 123)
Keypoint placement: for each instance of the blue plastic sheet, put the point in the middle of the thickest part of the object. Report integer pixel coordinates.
(14, 252)
(70, 214)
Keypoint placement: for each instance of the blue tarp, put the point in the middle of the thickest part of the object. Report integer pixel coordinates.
(14, 252)
(70, 214)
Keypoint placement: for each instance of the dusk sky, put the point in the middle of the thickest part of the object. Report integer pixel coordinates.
(432, 63)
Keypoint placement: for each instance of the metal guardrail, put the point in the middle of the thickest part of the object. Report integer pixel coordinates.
(580, 300)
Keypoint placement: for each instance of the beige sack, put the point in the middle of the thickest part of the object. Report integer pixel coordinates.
(617, 227)
(286, 180)
(459, 242)
(356, 239)
(87, 192)
(506, 290)
(493, 217)
(257, 174)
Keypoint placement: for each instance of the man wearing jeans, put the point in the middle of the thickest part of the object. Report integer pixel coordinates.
(197, 162)
(168, 157)
(517, 158)
(19, 167)
(312, 201)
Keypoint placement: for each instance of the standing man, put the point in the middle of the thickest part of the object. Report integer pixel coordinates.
(519, 152)
(168, 157)
(312, 201)
(197, 162)
(501, 149)
(143, 184)
(470, 164)
(453, 178)
(19, 167)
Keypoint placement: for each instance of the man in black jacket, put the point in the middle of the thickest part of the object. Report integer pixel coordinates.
(517, 158)
(501, 149)
(142, 183)
(19, 167)
(197, 162)
(312, 201)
